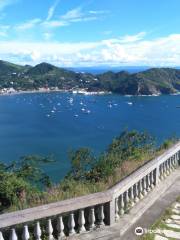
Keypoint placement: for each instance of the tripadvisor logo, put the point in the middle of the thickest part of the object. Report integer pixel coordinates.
(139, 231)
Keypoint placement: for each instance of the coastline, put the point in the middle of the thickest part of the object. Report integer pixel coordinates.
(74, 92)
(82, 92)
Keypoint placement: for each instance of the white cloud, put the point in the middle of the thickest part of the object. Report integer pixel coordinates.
(55, 23)
(132, 38)
(73, 16)
(99, 12)
(28, 24)
(52, 10)
(125, 39)
(163, 51)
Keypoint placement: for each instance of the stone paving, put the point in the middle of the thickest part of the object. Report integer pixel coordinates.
(171, 229)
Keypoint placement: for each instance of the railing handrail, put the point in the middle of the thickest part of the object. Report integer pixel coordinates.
(143, 170)
(53, 209)
(73, 204)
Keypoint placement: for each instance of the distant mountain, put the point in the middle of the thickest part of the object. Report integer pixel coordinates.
(8, 68)
(44, 75)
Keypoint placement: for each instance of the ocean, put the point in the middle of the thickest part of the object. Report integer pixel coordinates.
(56, 123)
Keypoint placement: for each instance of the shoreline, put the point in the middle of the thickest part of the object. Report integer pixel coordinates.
(79, 92)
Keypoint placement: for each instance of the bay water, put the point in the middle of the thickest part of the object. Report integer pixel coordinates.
(55, 123)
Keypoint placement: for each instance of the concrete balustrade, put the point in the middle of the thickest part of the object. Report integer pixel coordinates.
(60, 227)
(82, 214)
(117, 213)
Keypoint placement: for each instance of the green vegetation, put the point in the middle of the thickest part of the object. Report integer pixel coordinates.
(21, 179)
(44, 75)
(23, 184)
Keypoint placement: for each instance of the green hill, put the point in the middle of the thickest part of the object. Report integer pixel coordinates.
(152, 81)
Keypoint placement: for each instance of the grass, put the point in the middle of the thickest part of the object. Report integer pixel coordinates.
(160, 223)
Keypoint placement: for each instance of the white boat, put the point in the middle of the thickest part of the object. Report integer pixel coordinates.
(71, 100)
(129, 103)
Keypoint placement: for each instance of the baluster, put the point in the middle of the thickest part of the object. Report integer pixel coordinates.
(150, 183)
(37, 231)
(121, 204)
(163, 177)
(13, 235)
(176, 159)
(136, 193)
(71, 224)
(172, 164)
(167, 172)
(147, 183)
(81, 221)
(127, 199)
(151, 180)
(131, 196)
(165, 169)
(60, 228)
(140, 189)
(116, 209)
(25, 234)
(145, 186)
(49, 230)
(91, 218)
(169, 165)
(1, 236)
(160, 172)
(101, 215)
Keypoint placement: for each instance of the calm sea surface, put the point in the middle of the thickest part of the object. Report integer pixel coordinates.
(54, 123)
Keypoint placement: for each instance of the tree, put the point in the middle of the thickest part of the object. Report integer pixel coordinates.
(12, 189)
(29, 168)
(21, 178)
(82, 161)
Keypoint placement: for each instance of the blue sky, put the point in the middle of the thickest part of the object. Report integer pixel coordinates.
(90, 32)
